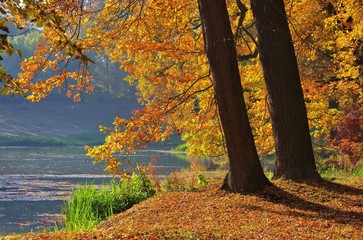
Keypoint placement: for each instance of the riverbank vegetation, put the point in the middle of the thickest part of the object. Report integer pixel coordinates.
(284, 210)
(189, 204)
(89, 205)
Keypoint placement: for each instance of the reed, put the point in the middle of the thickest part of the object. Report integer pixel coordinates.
(90, 204)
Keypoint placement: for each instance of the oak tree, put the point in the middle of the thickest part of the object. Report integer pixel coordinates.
(294, 152)
(160, 45)
(245, 172)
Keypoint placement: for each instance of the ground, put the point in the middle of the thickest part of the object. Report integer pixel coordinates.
(286, 210)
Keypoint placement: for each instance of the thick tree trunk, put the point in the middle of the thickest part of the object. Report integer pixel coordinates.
(294, 153)
(245, 173)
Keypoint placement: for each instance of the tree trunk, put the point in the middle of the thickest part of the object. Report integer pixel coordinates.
(294, 153)
(245, 174)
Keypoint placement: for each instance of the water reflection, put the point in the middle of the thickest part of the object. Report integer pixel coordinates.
(41, 187)
(34, 181)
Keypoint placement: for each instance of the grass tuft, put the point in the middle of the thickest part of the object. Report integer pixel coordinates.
(89, 204)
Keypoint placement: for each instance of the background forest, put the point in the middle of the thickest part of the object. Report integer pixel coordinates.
(60, 121)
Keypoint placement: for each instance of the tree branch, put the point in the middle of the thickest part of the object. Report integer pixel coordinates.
(240, 28)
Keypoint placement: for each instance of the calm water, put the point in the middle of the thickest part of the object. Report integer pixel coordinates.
(35, 181)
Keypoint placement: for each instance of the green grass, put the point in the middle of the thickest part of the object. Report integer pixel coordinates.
(89, 205)
(87, 138)
(331, 172)
(81, 139)
(181, 147)
(32, 141)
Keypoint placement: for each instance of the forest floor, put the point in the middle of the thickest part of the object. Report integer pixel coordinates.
(286, 210)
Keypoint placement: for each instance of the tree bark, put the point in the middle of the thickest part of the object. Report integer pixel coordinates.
(294, 153)
(245, 174)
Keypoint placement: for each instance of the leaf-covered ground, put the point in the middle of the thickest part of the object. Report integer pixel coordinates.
(287, 210)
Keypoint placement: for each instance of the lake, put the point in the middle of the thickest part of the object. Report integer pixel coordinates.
(34, 182)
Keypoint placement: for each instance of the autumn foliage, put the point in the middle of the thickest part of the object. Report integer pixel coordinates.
(348, 135)
(160, 45)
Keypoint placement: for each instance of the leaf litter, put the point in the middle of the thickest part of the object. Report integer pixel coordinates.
(286, 210)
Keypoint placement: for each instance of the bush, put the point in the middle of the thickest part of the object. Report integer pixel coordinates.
(89, 205)
(183, 182)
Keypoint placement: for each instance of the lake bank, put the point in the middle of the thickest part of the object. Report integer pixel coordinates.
(287, 210)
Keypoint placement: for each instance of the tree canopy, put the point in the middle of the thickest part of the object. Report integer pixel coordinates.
(160, 45)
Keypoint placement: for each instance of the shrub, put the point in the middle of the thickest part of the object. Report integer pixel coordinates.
(183, 182)
(348, 136)
(89, 205)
